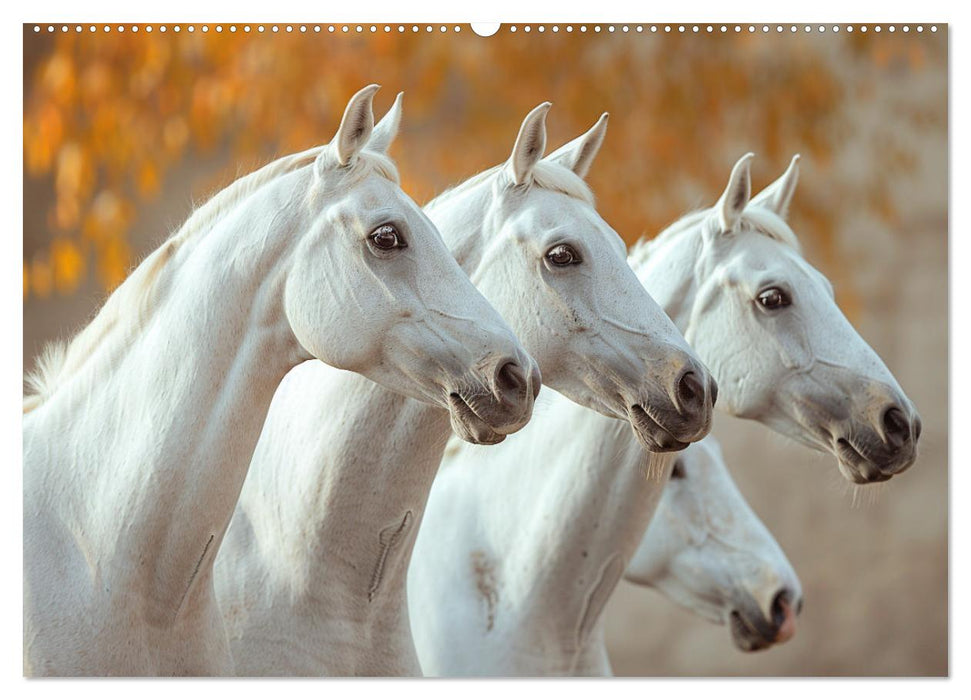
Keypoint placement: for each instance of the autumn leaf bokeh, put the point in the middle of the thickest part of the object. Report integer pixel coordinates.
(124, 132)
(108, 117)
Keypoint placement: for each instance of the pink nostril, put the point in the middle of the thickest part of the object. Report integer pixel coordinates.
(783, 616)
(896, 428)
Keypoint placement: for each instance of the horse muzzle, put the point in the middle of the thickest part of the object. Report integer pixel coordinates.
(880, 448)
(485, 412)
(680, 414)
(752, 630)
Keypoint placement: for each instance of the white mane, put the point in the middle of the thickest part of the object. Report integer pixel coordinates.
(131, 301)
(754, 218)
(546, 175)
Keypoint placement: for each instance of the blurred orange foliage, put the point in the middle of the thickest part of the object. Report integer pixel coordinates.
(108, 117)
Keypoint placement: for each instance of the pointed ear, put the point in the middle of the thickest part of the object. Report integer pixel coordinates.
(386, 129)
(356, 126)
(578, 154)
(736, 196)
(530, 144)
(777, 196)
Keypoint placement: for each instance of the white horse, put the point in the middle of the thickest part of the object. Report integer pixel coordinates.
(554, 521)
(312, 577)
(139, 432)
(706, 550)
(766, 323)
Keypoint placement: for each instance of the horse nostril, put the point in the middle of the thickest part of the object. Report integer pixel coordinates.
(895, 427)
(510, 378)
(783, 616)
(537, 379)
(779, 603)
(713, 390)
(785, 609)
(690, 391)
(917, 428)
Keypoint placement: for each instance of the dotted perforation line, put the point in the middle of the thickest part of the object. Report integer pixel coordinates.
(723, 28)
(442, 29)
(247, 28)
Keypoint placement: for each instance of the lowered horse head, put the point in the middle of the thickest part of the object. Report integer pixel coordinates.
(765, 321)
(373, 289)
(707, 551)
(532, 242)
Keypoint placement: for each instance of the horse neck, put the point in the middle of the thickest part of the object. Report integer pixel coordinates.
(176, 406)
(564, 517)
(464, 217)
(669, 269)
(354, 464)
(331, 445)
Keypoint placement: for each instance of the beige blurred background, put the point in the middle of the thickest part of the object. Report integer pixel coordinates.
(122, 132)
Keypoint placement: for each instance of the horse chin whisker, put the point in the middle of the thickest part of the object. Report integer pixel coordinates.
(867, 495)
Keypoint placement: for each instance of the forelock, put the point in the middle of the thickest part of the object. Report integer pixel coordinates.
(557, 178)
(771, 225)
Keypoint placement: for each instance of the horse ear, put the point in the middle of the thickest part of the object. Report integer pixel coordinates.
(777, 196)
(386, 129)
(578, 154)
(736, 196)
(530, 144)
(356, 125)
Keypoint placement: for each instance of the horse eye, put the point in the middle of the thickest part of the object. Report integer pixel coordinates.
(774, 298)
(386, 237)
(678, 471)
(563, 255)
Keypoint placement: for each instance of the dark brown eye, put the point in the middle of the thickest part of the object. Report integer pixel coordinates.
(386, 237)
(562, 255)
(677, 472)
(774, 298)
